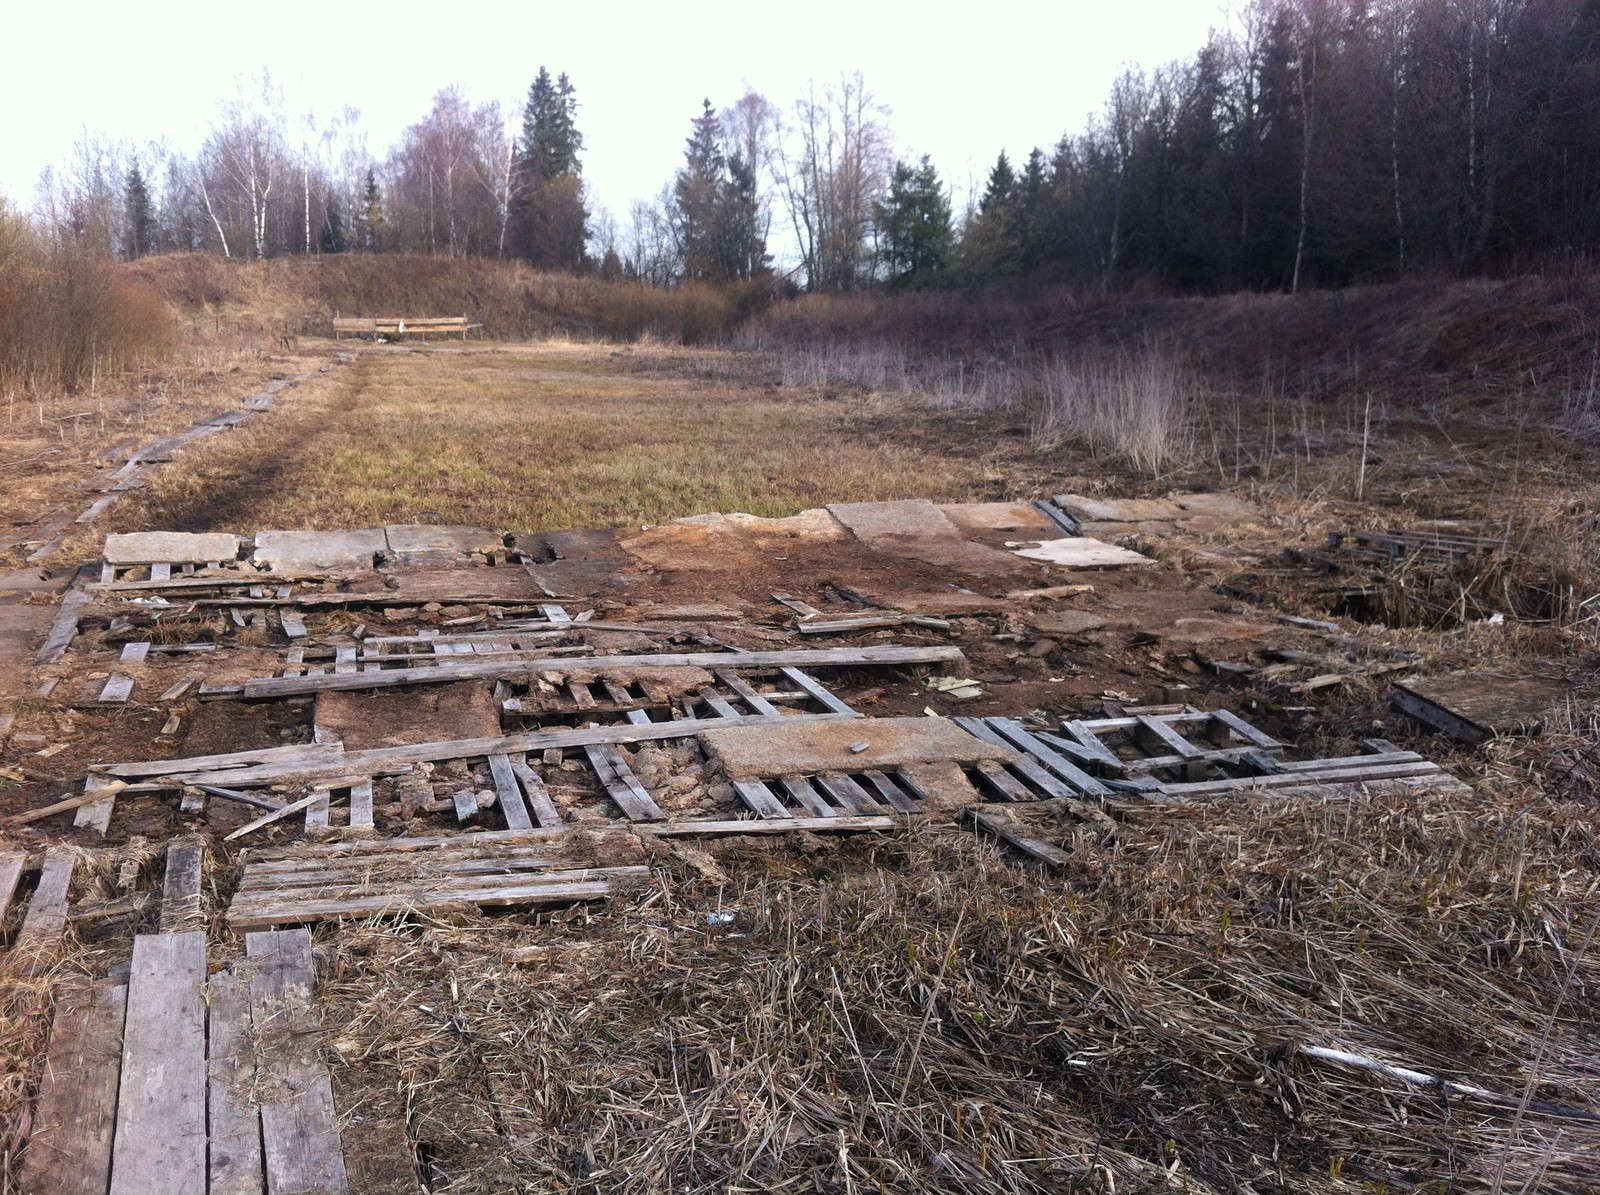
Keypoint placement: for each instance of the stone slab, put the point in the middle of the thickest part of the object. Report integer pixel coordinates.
(422, 537)
(1118, 510)
(313, 551)
(170, 547)
(1081, 552)
(999, 516)
(916, 529)
(812, 748)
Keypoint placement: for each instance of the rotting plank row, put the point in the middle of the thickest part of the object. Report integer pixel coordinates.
(69, 1147)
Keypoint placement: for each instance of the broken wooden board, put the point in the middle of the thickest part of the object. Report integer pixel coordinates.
(180, 887)
(38, 942)
(841, 657)
(1079, 551)
(69, 1147)
(777, 748)
(300, 1141)
(170, 547)
(1477, 706)
(416, 875)
(64, 628)
(160, 1142)
(233, 1120)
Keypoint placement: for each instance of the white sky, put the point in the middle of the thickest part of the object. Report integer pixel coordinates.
(962, 81)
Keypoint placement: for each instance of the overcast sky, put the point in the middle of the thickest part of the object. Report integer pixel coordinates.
(963, 81)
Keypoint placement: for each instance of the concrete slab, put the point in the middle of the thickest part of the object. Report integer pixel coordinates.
(1082, 552)
(811, 748)
(999, 516)
(423, 537)
(1118, 510)
(430, 714)
(311, 551)
(916, 529)
(170, 547)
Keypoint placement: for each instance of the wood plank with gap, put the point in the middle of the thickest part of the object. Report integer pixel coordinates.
(180, 886)
(506, 784)
(852, 798)
(538, 796)
(817, 691)
(1055, 762)
(293, 625)
(617, 778)
(38, 941)
(181, 686)
(64, 627)
(800, 791)
(116, 691)
(11, 865)
(891, 792)
(838, 657)
(96, 815)
(1003, 828)
(233, 1121)
(759, 799)
(300, 1142)
(160, 1142)
(318, 810)
(251, 914)
(748, 694)
(69, 1145)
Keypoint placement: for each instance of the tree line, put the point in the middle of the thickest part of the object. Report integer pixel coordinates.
(1312, 142)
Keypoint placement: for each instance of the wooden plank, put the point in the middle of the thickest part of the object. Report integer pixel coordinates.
(891, 793)
(1003, 828)
(64, 627)
(556, 614)
(1003, 782)
(180, 686)
(802, 608)
(344, 660)
(180, 887)
(505, 785)
(293, 625)
(299, 1131)
(69, 1147)
(581, 695)
(623, 786)
(852, 798)
(1059, 764)
(816, 690)
(116, 690)
(839, 657)
(466, 804)
(538, 796)
(1029, 768)
(260, 915)
(160, 1142)
(361, 806)
(232, 1117)
(772, 825)
(1153, 732)
(1288, 779)
(38, 942)
(1245, 731)
(96, 816)
(802, 793)
(276, 814)
(758, 797)
(161, 572)
(747, 693)
(11, 865)
(135, 652)
(718, 705)
(306, 753)
(317, 811)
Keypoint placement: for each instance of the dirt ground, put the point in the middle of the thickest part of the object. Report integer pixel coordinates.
(917, 1012)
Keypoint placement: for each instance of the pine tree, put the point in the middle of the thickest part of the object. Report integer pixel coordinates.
(914, 229)
(373, 226)
(139, 225)
(548, 212)
(717, 208)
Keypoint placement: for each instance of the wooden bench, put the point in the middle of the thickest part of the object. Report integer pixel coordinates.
(399, 326)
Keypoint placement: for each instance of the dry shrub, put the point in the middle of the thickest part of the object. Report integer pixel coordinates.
(67, 317)
(916, 1015)
(1131, 403)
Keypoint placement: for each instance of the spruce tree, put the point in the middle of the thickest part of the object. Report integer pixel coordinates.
(333, 237)
(548, 212)
(139, 226)
(372, 223)
(717, 208)
(914, 228)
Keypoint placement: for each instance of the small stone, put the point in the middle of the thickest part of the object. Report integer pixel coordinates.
(858, 748)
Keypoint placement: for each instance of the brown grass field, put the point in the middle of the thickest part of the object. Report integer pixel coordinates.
(919, 1013)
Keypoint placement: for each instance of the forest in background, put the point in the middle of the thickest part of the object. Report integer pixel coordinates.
(1313, 142)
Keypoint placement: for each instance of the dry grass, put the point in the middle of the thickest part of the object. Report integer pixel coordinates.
(919, 1015)
(548, 436)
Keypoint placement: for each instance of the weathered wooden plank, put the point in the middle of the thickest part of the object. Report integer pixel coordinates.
(619, 781)
(11, 865)
(293, 625)
(96, 816)
(758, 797)
(117, 689)
(361, 805)
(1025, 765)
(180, 686)
(842, 657)
(180, 887)
(1003, 782)
(69, 1148)
(747, 693)
(1052, 760)
(771, 825)
(233, 1119)
(718, 705)
(817, 691)
(64, 627)
(803, 794)
(134, 652)
(1245, 731)
(1300, 778)
(581, 695)
(267, 819)
(243, 915)
(852, 798)
(505, 785)
(466, 802)
(160, 1142)
(304, 754)
(299, 1131)
(538, 795)
(891, 793)
(38, 942)
(317, 811)
(1003, 828)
